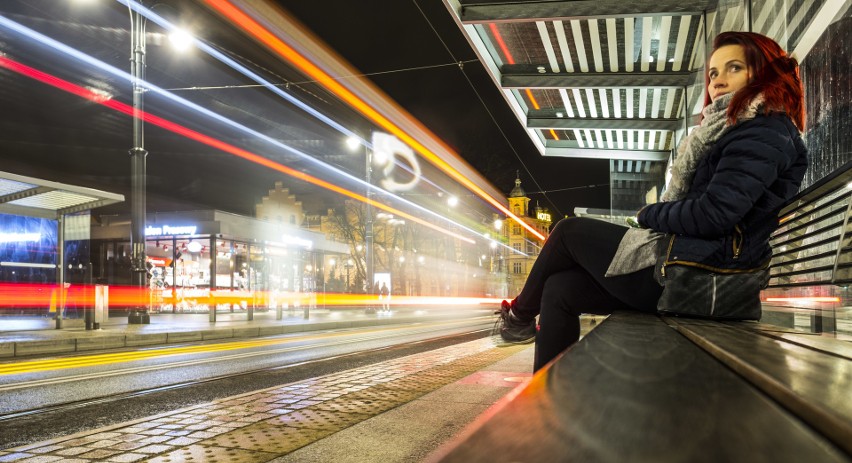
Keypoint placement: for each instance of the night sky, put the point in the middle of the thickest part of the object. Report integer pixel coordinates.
(410, 49)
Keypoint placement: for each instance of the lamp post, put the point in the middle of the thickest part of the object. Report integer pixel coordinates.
(348, 266)
(138, 155)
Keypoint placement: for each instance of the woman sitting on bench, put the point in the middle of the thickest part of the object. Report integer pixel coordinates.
(731, 177)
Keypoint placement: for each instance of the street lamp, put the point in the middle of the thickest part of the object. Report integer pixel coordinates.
(138, 157)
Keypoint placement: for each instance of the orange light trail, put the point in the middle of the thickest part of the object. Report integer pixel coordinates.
(804, 299)
(209, 141)
(18, 295)
(259, 32)
(553, 132)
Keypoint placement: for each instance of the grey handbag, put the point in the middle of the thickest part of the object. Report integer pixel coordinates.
(695, 292)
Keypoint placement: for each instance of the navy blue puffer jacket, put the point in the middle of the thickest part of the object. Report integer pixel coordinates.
(732, 206)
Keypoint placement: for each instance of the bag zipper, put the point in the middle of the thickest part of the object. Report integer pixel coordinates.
(737, 241)
(668, 252)
(713, 296)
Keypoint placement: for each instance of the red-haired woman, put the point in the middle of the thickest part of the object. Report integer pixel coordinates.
(731, 177)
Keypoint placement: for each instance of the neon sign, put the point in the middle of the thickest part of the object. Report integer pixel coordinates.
(169, 230)
(19, 237)
(307, 244)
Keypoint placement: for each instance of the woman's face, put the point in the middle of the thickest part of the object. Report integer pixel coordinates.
(727, 71)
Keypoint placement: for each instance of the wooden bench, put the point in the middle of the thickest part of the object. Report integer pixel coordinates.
(645, 388)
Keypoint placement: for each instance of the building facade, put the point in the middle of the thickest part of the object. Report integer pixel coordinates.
(524, 246)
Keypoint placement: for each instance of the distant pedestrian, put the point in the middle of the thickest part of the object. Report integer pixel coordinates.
(384, 297)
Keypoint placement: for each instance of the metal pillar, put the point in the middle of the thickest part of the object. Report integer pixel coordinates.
(213, 284)
(368, 227)
(139, 314)
(60, 270)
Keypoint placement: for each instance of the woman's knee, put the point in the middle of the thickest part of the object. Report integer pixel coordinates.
(562, 289)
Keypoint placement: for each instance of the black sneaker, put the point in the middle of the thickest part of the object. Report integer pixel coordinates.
(512, 329)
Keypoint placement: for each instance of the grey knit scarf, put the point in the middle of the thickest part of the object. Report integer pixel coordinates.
(637, 250)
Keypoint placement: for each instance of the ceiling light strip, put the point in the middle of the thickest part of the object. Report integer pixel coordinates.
(590, 98)
(595, 38)
(629, 94)
(730, 18)
(697, 57)
(663, 47)
(612, 39)
(578, 100)
(761, 18)
(566, 102)
(645, 51)
(548, 45)
(680, 45)
(579, 45)
(655, 102)
(579, 138)
(616, 102)
(671, 95)
(559, 26)
(629, 37)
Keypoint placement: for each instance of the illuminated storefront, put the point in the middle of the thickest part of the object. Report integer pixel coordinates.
(243, 261)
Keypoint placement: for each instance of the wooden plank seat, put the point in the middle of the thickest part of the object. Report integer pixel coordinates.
(635, 389)
(809, 375)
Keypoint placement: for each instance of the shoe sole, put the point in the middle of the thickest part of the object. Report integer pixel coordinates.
(525, 341)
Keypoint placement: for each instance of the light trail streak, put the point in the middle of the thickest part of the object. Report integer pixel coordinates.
(511, 60)
(82, 57)
(259, 32)
(209, 141)
(95, 360)
(25, 295)
(803, 299)
(274, 88)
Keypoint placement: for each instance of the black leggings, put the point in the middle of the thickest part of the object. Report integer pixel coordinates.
(567, 279)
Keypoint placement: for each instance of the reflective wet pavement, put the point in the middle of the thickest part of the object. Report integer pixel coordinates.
(269, 424)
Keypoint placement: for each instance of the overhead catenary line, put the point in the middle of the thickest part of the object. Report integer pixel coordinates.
(312, 81)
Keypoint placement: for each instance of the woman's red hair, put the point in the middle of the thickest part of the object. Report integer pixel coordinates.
(774, 74)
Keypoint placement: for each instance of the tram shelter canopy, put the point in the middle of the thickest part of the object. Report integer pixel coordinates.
(33, 197)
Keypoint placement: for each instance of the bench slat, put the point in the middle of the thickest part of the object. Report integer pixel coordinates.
(817, 341)
(634, 389)
(815, 385)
